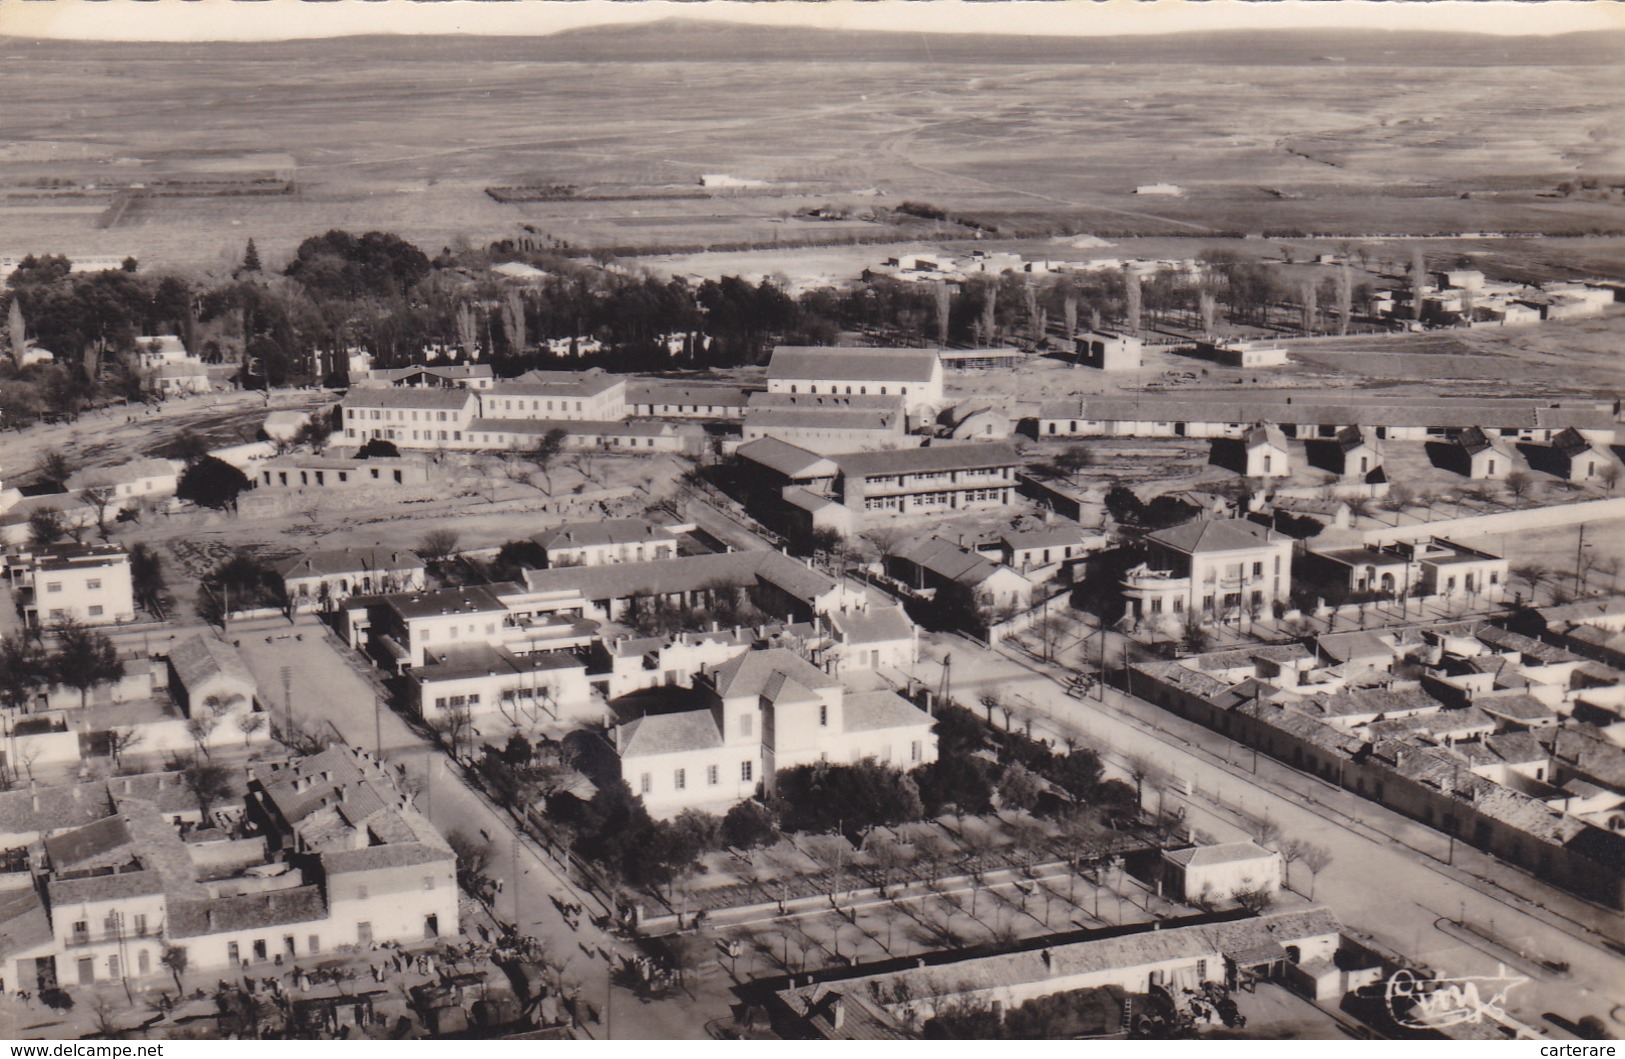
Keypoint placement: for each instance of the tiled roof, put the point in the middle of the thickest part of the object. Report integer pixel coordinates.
(964, 456)
(122, 886)
(23, 923)
(654, 391)
(684, 574)
(875, 625)
(445, 398)
(949, 560)
(871, 711)
(70, 805)
(390, 855)
(203, 658)
(134, 471)
(873, 402)
(70, 849)
(1352, 437)
(1224, 853)
(605, 532)
(789, 460)
(1214, 535)
(823, 419)
(753, 673)
(616, 428)
(668, 733)
(1518, 707)
(351, 561)
(228, 915)
(1266, 434)
(816, 363)
(540, 383)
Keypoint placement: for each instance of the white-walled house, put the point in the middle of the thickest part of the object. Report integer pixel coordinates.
(1217, 873)
(1208, 568)
(1267, 454)
(87, 583)
(768, 710)
(323, 579)
(616, 540)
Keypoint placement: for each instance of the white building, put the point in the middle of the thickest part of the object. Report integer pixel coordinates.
(914, 374)
(768, 710)
(154, 351)
(323, 579)
(557, 395)
(86, 583)
(427, 418)
(1210, 568)
(617, 540)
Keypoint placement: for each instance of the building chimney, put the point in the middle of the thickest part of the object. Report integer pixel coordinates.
(837, 1012)
(1049, 960)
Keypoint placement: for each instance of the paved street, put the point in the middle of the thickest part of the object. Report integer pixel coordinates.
(329, 690)
(1378, 883)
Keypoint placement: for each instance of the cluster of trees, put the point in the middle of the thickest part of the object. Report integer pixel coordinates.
(79, 658)
(615, 831)
(1133, 514)
(242, 582)
(1025, 773)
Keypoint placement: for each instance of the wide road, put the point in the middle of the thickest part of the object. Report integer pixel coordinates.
(333, 692)
(1378, 883)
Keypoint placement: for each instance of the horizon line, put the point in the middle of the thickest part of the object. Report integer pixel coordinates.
(285, 21)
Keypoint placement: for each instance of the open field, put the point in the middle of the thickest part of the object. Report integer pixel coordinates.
(1036, 141)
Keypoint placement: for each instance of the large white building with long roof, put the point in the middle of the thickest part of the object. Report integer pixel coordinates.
(914, 374)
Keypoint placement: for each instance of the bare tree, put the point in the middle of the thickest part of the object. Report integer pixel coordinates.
(1132, 300)
(1610, 474)
(1265, 831)
(101, 498)
(1419, 274)
(1069, 312)
(1317, 859)
(1345, 298)
(248, 722)
(1292, 849)
(1306, 300)
(1208, 306)
(437, 545)
(121, 741)
(200, 726)
(943, 302)
(1519, 483)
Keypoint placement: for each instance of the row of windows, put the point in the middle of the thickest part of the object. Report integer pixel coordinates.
(92, 585)
(679, 777)
(813, 388)
(535, 406)
(453, 632)
(394, 414)
(453, 702)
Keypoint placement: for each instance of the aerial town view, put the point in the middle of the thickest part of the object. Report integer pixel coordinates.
(711, 528)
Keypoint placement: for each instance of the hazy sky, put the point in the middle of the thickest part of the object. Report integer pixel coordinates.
(285, 19)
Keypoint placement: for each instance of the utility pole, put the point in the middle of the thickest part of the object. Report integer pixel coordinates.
(287, 695)
(377, 727)
(1579, 558)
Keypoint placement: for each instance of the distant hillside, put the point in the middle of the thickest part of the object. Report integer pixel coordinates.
(698, 41)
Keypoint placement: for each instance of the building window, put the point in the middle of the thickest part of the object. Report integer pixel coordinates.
(746, 771)
(645, 783)
(234, 953)
(914, 750)
(428, 882)
(679, 779)
(711, 775)
(1258, 570)
(53, 586)
(94, 584)
(823, 716)
(315, 944)
(95, 611)
(745, 725)
(141, 924)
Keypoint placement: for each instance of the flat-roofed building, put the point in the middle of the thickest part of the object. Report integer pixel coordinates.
(1110, 351)
(86, 583)
(914, 374)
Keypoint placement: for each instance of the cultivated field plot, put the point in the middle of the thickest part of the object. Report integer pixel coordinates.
(373, 140)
